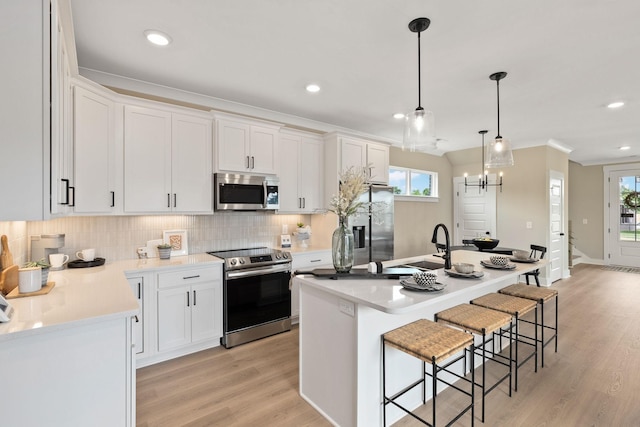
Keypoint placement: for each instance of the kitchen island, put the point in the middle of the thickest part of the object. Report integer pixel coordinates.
(341, 322)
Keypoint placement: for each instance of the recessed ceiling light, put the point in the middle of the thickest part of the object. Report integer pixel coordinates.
(616, 104)
(398, 116)
(157, 37)
(313, 88)
(625, 147)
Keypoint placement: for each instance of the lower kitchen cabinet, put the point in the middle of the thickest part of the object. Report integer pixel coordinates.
(306, 261)
(189, 307)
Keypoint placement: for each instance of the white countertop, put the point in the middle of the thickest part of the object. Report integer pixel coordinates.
(86, 295)
(390, 297)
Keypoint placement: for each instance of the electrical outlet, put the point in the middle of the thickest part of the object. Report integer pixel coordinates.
(529, 224)
(584, 221)
(347, 307)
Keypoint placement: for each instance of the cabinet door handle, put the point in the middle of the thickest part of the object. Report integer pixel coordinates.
(315, 260)
(175, 199)
(248, 163)
(304, 203)
(190, 277)
(139, 290)
(188, 299)
(168, 200)
(113, 199)
(73, 190)
(194, 298)
(136, 317)
(253, 162)
(66, 191)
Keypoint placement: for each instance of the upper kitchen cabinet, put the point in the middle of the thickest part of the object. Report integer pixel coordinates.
(94, 153)
(168, 165)
(31, 117)
(246, 146)
(346, 151)
(301, 172)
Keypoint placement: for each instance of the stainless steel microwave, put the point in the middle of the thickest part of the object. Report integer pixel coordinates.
(235, 192)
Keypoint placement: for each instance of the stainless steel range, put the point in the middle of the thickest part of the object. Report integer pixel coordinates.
(256, 294)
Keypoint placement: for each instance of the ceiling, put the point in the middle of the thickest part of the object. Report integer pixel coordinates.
(566, 60)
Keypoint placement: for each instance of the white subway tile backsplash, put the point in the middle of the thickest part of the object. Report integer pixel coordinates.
(117, 237)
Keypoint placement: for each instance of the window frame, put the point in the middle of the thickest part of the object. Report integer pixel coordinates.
(416, 198)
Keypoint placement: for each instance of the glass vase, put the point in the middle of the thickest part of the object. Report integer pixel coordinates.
(342, 244)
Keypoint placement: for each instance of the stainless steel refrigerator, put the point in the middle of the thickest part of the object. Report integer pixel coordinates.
(374, 232)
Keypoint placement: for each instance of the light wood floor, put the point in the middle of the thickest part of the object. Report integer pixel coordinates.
(593, 380)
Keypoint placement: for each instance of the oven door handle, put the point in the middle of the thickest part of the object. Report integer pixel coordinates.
(278, 268)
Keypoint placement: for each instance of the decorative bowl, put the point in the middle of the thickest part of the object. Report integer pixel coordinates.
(484, 243)
(520, 254)
(499, 260)
(425, 278)
(463, 267)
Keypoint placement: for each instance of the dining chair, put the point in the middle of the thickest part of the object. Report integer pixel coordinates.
(537, 252)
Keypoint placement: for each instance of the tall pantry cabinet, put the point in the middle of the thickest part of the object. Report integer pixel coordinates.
(34, 95)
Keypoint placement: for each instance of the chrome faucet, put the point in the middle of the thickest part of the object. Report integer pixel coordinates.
(447, 249)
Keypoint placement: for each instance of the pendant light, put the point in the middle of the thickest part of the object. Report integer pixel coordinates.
(499, 151)
(419, 127)
(483, 181)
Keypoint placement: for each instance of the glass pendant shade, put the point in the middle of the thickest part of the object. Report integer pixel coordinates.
(419, 130)
(498, 153)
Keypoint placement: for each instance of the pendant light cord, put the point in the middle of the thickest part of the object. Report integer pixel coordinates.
(419, 83)
(498, 94)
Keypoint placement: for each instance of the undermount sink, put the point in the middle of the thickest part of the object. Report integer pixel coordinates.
(425, 265)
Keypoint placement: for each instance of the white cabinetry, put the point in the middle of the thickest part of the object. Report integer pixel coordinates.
(137, 286)
(94, 138)
(189, 307)
(342, 152)
(305, 261)
(300, 171)
(35, 94)
(167, 161)
(246, 146)
(364, 154)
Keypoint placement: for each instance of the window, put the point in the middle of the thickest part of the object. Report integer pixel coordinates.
(413, 182)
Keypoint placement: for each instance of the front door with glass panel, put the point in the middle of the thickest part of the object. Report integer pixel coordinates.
(624, 223)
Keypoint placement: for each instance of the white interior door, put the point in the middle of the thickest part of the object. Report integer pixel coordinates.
(474, 211)
(557, 252)
(624, 225)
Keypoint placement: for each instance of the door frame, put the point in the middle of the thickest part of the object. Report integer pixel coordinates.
(564, 247)
(607, 172)
(493, 228)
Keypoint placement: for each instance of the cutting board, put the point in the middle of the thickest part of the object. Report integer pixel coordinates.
(6, 258)
(9, 279)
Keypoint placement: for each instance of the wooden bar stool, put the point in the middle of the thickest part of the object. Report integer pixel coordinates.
(540, 295)
(483, 322)
(434, 344)
(516, 307)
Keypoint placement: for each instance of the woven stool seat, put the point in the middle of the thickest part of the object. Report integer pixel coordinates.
(540, 295)
(483, 322)
(427, 340)
(529, 292)
(476, 319)
(506, 303)
(516, 307)
(431, 344)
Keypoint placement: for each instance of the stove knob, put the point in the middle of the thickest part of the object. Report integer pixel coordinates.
(232, 261)
(285, 255)
(241, 260)
(277, 256)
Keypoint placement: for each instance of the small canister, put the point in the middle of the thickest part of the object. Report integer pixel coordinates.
(29, 279)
